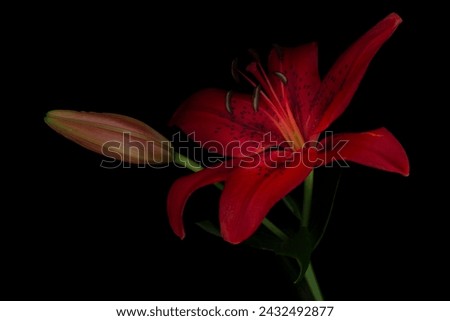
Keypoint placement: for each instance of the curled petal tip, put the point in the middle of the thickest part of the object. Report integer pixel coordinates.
(231, 237)
(232, 241)
(398, 20)
(406, 172)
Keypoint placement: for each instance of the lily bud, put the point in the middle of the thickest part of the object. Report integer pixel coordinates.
(121, 137)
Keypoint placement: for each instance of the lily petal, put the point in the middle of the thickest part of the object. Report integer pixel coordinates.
(251, 191)
(300, 67)
(182, 189)
(343, 79)
(238, 132)
(377, 148)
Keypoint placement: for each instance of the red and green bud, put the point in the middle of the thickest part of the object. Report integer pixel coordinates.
(113, 135)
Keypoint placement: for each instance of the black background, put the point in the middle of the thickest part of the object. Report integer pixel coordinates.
(71, 230)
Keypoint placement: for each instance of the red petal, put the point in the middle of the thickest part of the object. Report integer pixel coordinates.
(300, 66)
(344, 77)
(377, 148)
(183, 187)
(251, 191)
(205, 114)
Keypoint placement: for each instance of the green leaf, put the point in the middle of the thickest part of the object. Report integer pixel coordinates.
(264, 240)
(299, 247)
(318, 231)
(292, 206)
(209, 227)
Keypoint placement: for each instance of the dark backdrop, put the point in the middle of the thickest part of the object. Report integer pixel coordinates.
(71, 230)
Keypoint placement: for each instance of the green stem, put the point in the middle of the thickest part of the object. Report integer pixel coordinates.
(275, 230)
(307, 197)
(310, 276)
(292, 206)
(308, 288)
(187, 162)
(311, 280)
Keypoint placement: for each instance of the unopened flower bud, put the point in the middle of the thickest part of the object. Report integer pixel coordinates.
(116, 136)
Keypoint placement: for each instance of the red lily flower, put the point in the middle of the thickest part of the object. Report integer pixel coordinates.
(295, 106)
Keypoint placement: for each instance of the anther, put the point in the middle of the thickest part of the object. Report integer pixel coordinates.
(228, 102)
(256, 97)
(281, 76)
